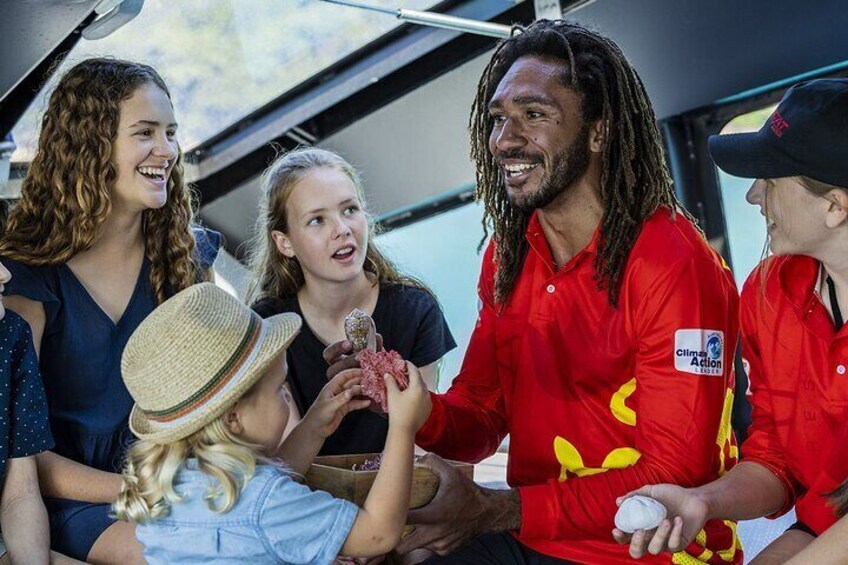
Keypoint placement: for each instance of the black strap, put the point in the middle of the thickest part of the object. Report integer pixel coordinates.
(799, 525)
(834, 304)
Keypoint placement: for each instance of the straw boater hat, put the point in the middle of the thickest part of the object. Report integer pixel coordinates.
(194, 356)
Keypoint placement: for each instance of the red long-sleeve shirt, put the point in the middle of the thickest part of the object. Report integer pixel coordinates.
(816, 508)
(796, 364)
(597, 400)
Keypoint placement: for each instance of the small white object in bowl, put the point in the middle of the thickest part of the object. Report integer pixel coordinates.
(639, 513)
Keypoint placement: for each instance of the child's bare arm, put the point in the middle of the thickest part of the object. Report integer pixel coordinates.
(337, 398)
(379, 524)
(22, 515)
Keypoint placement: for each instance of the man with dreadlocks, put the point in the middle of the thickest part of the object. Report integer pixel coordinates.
(607, 326)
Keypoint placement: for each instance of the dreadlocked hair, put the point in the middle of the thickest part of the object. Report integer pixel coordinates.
(634, 180)
(66, 195)
(277, 277)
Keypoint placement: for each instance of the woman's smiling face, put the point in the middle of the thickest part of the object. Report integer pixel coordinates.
(145, 149)
(795, 216)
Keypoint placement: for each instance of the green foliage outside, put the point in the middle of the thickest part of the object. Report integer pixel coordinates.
(749, 122)
(222, 59)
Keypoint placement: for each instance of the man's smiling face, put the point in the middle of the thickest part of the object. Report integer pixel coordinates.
(539, 137)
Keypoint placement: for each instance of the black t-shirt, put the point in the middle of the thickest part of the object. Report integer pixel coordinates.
(411, 323)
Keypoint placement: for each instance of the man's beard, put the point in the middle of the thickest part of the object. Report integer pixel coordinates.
(568, 166)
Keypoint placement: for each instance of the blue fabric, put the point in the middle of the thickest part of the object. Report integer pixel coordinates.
(276, 520)
(208, 242)
(81, 366)
(24, 430)
(75, 526)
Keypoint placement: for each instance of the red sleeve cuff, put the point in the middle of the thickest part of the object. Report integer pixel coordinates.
(782, 474)
(432, 430)
(539, 512)
(814, 511)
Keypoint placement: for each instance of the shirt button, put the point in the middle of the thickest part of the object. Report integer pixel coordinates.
(840, 369)
(552, 288)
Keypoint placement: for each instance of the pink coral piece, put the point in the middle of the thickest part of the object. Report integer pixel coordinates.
(374, 365)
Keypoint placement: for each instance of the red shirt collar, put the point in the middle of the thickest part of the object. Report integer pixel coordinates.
(799, 281)
(798, 275)
(536, 238)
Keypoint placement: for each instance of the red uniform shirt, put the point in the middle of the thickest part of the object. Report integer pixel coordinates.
(599, 401)
(796, 365)
(816, 508)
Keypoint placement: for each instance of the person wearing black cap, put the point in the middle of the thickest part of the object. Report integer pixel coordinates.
(794, 344)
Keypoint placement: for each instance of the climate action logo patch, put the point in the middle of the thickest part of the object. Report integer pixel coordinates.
(699, 351)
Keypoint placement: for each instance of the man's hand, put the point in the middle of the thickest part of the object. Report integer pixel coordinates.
(339, 356)
(459, 512)
(687, 514)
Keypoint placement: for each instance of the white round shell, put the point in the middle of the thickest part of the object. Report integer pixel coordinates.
(639, 513)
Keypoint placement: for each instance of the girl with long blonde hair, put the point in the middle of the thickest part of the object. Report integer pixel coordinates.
(211, 479)
(315, 255)
(101, 235)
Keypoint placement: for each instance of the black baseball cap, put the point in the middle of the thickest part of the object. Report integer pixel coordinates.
(806, 135)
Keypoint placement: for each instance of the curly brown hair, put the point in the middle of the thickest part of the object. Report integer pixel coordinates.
(66, 195)
(276, 276)
(634, 181)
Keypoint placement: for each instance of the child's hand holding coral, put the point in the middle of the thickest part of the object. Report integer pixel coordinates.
(338, 397)
(408, 408)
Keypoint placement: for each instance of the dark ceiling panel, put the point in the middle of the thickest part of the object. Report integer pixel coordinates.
(30, 31)
(19, 99)
(691, 53)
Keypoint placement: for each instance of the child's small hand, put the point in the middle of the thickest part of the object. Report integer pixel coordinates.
(409, 408)
(338, 397)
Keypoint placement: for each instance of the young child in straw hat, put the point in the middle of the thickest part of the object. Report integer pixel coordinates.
(209, 479)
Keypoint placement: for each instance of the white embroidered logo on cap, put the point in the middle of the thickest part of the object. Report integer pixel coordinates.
(699, 351)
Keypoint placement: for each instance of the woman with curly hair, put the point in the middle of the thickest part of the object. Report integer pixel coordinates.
(102, 235)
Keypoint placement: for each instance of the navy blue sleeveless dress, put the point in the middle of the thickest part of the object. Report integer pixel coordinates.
(80, 361)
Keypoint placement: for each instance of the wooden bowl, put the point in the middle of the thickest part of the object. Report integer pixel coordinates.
(335, 474)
